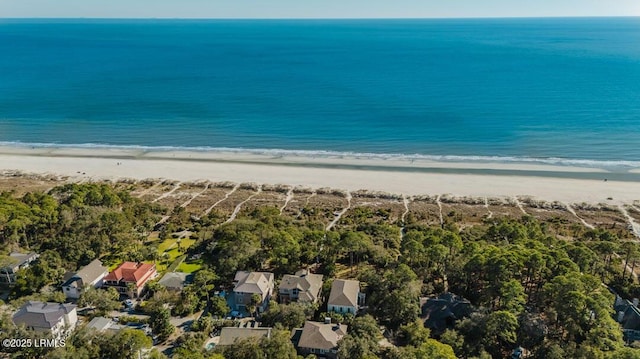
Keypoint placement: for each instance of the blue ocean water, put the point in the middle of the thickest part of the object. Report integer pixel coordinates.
(505, 88)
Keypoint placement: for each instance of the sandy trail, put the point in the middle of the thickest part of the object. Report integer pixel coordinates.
(342, 212)
(208, 210)
(167, 194)
(239, 206)
(287, 200)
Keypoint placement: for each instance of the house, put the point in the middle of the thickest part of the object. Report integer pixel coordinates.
(229, 335)
(130, 278)
(628, 315)
(344, 296)
(303, 287)
(55, 318)
(90, 275)
(175, 280)
(102, 324)
(13, 264)
(246, 284)
(440, 313)
(321, 339)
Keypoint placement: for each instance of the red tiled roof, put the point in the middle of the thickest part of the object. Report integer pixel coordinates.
(130, 272)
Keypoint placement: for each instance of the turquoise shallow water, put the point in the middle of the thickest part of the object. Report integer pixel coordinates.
(551, 90)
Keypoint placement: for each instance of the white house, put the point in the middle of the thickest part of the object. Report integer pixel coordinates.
(91, 275)
(344, 296)
(55, 318)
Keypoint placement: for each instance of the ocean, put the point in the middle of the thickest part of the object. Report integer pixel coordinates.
(556, 90)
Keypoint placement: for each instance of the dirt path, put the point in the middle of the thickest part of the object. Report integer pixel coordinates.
(208, 210)
(486, 205)
(306, 203)
(440, 210)
(633, 225)
(195, 196)
(339, 215)
(239, 206)
(570, 209)
(405, 201)
(146, 191)
(165, 195)
(287, 200)
(519, 205)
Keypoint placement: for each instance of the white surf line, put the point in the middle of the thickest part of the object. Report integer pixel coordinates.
(486, 205)
(208, 210)
(237, 209)
(519, 205)
(440, 210)
(339, 215)
(165, 195)
(570, 209)
(146, 191)
(287, 200)
(635, 226)
(188, 202)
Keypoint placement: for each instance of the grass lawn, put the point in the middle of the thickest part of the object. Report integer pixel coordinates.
(169, 251)
(190, 267)
(172, 254)
(114, 266)
(153, 236)
(162, 247)
(187, 242)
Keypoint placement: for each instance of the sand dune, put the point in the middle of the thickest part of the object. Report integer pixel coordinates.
(544, 182)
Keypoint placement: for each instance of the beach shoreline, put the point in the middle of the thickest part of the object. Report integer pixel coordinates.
(571, 184)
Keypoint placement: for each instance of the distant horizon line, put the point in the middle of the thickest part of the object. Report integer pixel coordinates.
(323, 18)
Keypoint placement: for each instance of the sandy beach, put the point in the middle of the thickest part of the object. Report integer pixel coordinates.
(543, 182)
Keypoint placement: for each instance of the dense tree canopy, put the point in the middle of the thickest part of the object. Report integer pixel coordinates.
(538, 283)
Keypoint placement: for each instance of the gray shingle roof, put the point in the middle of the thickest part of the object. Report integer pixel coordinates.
(174, 280)
(229, 335)
(308, 284)
(253, 282)
(87, 274)
(102, 324)
(18, 260)
(344, 293)
(41, 315)
(321, 336)
(442, 311)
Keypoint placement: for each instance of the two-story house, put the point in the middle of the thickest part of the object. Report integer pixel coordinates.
(248, 284)
(302, 287)
(130, 278)
(54, 318)
(10, 266)
(344, 296)
(321, 339)
(90, 275)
